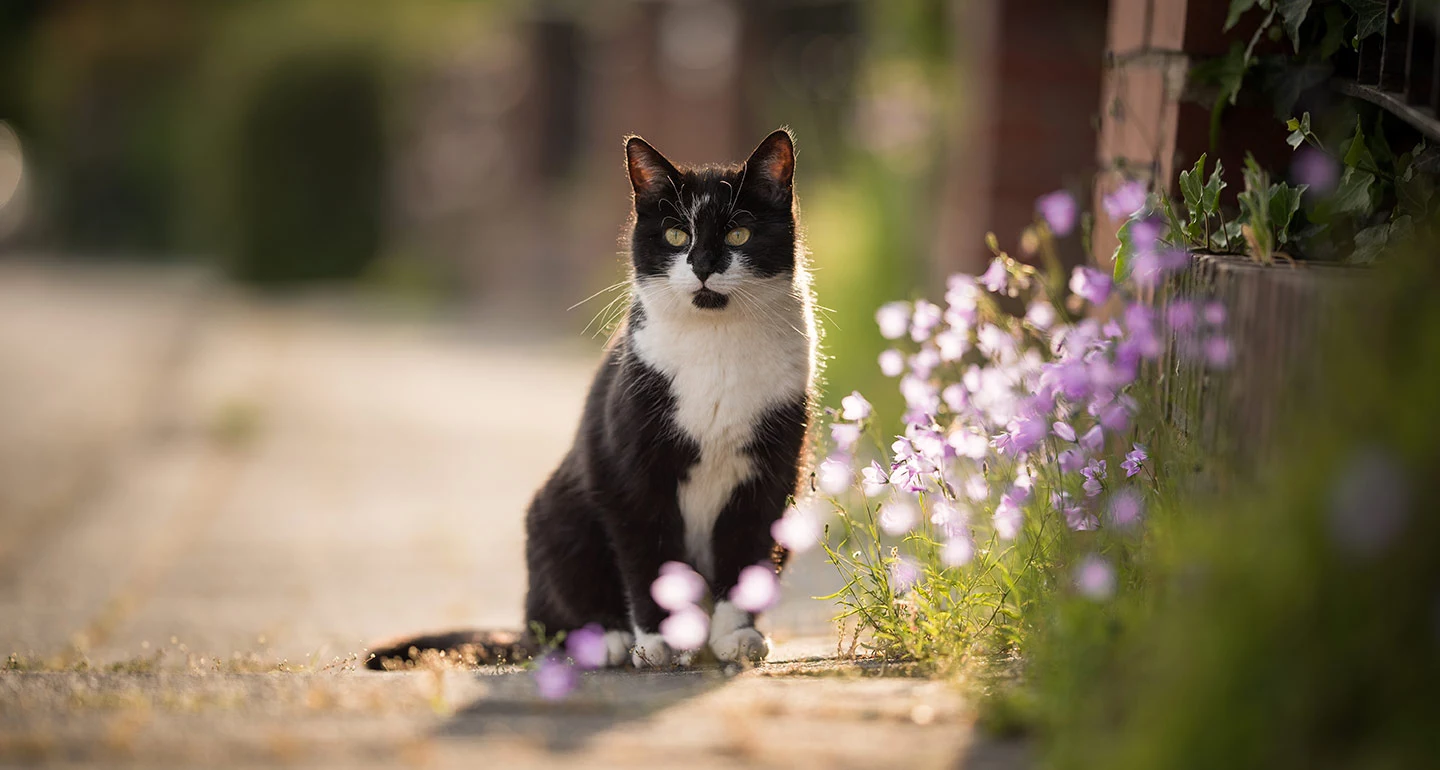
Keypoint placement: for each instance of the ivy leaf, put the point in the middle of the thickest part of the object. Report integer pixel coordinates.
(1369, 18)
(1352, 196)
(1284, 202)
(1371, 242)
(1296, 138)
(1191, 189)
(1238, 9)
(1354, 150)
(1334, 38)
(1292, 13)
(1227, 239)
(1413, 192)
(1210, 200)
(1125, 252)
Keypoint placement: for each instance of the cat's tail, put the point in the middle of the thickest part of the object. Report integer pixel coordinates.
(467, 647)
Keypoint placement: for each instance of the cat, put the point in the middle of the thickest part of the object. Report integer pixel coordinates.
(694, 431)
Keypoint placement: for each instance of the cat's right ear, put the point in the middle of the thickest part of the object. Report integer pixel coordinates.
(650, 173)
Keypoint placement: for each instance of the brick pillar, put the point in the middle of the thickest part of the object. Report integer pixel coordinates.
(1028, 124)
(1148, 131)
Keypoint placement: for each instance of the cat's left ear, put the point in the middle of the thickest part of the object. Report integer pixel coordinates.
(650, 173)
(771, 168)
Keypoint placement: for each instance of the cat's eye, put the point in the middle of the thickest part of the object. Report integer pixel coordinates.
(738, 236)
(676, 237)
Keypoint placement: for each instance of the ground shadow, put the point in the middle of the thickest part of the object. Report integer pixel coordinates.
(601, 701)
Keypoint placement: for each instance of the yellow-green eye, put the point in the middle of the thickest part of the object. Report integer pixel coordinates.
(676, 237)
(738, 236)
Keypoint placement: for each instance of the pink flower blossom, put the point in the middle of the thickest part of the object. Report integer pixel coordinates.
(892, 363)
(995, 276)
(834, 476)
(554, 678)
(1095, 578)
(874, 480)
(1064, 431)
(1008, 517)
(1058, 209)
(845, 435)
(1090, 284)
(798, 530)
(757, 589)
(686, 629)
(586, 646)
(855, 407)
(1127, 201)
(923, 321)
(899, 515)
(893, 319)
(904, 574)
(677, 587)
(957, 551)
(1126, 508)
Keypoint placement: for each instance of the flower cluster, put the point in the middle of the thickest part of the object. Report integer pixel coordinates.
(1010, 420)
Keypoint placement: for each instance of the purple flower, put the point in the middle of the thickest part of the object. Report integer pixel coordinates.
(957, 551)
(952, 344)
(1217, 351)
(1127, 201)
(1075, 516)
(954, 396)
(1022, 436)
(892, 363)
(1008, 517)
(586, 646)
(1370, 502)
(874, 479)
(976, 488)
(947, 517)
(995, 277)
(904, 574)
(893, 319)
(1090, 284)
(855, 407)
(1134, 460)
(1041, 315)
(1064, 431)
(924, 320)
(1152, 266)
(1059, 210)
(1095, 578)
(678, 586)
(686, 629)
(845, 435)
(1094, 474)
(757, 589)
(1180, 315)
(1115, 418)
(1126, 508)
(968, 443)
(899, 516)
(925, 361)
(1093, 440)
(554, 678)
(1316, 169)
(1215, 313)
(834, 476)
(1071, 460)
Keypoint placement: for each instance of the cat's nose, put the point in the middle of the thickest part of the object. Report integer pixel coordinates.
(706, 265)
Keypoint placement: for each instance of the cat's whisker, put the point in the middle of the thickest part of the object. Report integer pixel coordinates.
(612, 287)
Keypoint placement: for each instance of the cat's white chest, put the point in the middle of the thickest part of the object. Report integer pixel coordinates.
(724, 377)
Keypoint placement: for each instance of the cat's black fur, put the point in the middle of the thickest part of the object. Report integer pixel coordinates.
(600, 528)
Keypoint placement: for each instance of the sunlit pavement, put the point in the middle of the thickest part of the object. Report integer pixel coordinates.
(189, 470)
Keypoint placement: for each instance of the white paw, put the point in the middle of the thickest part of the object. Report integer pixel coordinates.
(651, 651)
(617, 647)
(740, 645)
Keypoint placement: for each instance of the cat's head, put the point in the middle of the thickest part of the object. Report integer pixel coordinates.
(713, 240)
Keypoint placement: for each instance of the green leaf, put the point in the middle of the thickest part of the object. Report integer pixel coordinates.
(1124, 253)
(1369, 17)
(1296, 137)
(1284, 202)
(1210, 200)
(1369, 244)
(1237, 9)
(1352, 195)
(1355, 152)
(1191, 189)
(1293, 13)
(1414, 192)
(1334, 38)
(1229, 240)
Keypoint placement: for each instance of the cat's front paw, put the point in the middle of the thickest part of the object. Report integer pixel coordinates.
(741, 645)
(617, 647)
(651, 651)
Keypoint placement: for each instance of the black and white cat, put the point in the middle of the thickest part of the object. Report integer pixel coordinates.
(694, 429)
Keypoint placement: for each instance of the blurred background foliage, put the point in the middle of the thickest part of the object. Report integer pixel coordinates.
(465, 153)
